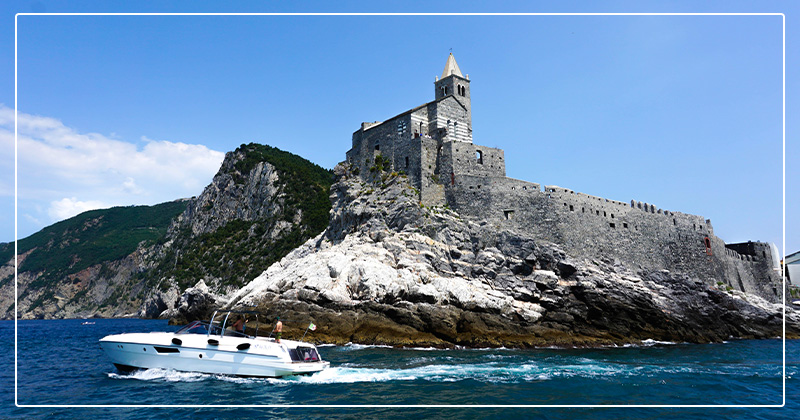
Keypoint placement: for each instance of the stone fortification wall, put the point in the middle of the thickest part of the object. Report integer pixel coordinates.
(431, 180)
(469, 159)
(589, 226)
(749, 251)
(751, 273)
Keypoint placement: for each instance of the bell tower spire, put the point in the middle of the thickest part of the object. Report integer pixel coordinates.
(454, 83)
(451, 67)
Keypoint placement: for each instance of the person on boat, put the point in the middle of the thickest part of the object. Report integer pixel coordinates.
(238, 326)
(278, 329)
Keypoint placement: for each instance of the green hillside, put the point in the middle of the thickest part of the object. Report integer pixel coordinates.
(90, 238)
(240, 250)
(232, 254)
(306, 184)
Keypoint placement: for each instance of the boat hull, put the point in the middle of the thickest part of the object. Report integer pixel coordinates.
(227, 356)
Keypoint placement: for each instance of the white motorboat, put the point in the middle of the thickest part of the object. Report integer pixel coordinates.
(209, 347)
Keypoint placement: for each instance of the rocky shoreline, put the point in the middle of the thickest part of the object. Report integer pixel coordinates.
(390, 271)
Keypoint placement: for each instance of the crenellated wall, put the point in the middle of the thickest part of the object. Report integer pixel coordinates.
(636, 234)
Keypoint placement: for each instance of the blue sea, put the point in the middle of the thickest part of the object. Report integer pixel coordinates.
(60, 363)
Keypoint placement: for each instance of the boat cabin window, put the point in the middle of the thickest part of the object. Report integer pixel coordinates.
(304, 354)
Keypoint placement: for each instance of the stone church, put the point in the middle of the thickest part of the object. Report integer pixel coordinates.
(433, 145)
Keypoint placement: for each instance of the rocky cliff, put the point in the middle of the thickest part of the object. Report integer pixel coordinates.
(145, 260)
(390, 271)
(378, 268)
(84, 266)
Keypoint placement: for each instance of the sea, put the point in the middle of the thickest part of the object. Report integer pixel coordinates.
(62, 373)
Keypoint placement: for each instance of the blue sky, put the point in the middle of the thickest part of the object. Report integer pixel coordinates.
(680, 111)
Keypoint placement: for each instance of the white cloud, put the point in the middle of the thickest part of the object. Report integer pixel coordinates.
(32, 219)
(68, 207)
(130, 186)
(65, 172)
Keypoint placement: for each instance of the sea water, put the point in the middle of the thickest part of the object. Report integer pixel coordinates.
(60, 363)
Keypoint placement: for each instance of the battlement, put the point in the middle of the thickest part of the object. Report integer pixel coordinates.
(751, 249)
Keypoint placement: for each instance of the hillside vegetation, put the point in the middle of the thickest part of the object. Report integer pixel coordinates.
(262, 204)
(91, 238)
(242, 248)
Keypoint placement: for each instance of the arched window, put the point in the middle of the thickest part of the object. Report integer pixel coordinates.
(479, 156)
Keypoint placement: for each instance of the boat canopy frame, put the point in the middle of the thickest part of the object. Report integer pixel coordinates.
(227, 314)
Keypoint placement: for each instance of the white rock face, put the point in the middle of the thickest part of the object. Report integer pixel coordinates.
(358, 269)
(427, 270)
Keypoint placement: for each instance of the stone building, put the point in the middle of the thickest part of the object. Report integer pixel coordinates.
(433, 145)
(792, 264)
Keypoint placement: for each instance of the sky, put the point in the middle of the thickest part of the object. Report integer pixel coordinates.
(685, 112)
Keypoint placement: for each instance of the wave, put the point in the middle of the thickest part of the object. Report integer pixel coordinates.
(164, 375)
(485, 372)
(503, 367)
(424, 349)
(651, 342)
(169, 375)
(647, 343)
(356, 346)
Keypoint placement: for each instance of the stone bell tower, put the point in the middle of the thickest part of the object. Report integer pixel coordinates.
(454, 83)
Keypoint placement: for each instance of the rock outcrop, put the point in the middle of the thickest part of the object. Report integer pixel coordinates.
(391, 271)
(142, 261)
(385, 269)
(261, 204)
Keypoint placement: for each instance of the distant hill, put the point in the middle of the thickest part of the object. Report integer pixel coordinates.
(262, 203)
(91, 238)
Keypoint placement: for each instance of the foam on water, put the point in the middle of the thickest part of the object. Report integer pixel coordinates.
(164, 375)
(490, 372)
(169, 375)
(485, 372)
(505, 367)
(352, 346)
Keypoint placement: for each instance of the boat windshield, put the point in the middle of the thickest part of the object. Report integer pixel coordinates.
(304, 354)
(194, 327)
